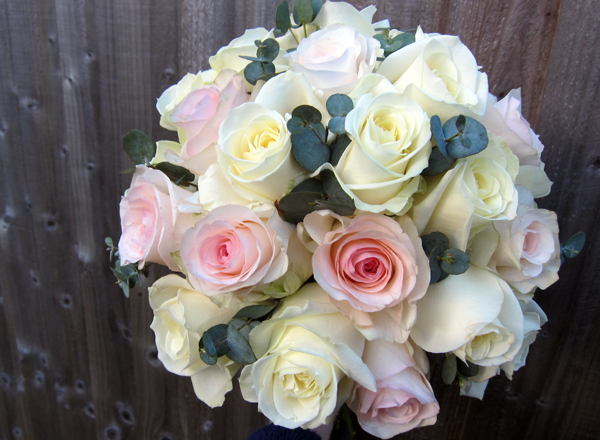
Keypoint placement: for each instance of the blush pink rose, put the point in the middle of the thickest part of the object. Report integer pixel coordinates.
(151, 224)
(199, 116)
(374, 270)
(404, 399)
(504, 118)
(235, 249)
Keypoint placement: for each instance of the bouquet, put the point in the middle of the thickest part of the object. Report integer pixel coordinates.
(345, 201)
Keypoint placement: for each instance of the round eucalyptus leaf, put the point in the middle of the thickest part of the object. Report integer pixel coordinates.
(307, 113)
(472, 140)
(339, 105)
(455, 262)
(268, 50)
(433, 240)
(574, 245)
(467, 370)
(438, 134)
(139, 147)
(308, 148)
(282, 17)
(295, 125)
(334, 191)
(337, 124)
(406, 38)
(176, 173)
(207, 359)
(255, 312)
(449, 369)
(338, 208)
(209, 346)
(460, 122)
(296, 205)
(438, 163)
(254, 71)
(309, 185)
(316, 7)
(434, 264)
(338, 147)
(218, 334)
(303, 11)
(239, 348)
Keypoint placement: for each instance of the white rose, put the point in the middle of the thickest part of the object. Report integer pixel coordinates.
(255, 153)
(341, 12)
(181, 316)
(525, 251)
(335, 58)
(475, 315)
(477, 190)
(441, 74)
(390, 147)
(309, 356)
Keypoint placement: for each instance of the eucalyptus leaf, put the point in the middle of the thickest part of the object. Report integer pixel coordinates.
(139, 147)
(239, 348)
(208, 359)
(296, 205)
(125, 287)
(309, 148)
(438, 163)
(474, 135)
(268, 50)
(573, 245)
(338, 208)
(249, 58)
(303, 11)
(109, 242)
(460, 122)
(339, 105)
(258, 70)
(405, 38)
(296, 125)
(433, 240)
(338, 147)
(467, 370)
(334, 191)
(337, 124)
(316, 4)
(307, 113)
(255, 312)
(438, 134)
(449, 369)
(209, 345)
(434, 264)
(309, 185)
(176, 173)
(455, 262)
(282, 18)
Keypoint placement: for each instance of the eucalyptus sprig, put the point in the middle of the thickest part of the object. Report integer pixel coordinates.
(443, 260)
(127, 276)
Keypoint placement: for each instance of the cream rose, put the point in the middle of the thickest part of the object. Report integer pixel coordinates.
(235, 249)
(255, 154)
(441, 74)
(181, 316)
(504, 118)
(477, 190)
(309, 356)
(390, 147)
(526, 250)
(334, 58)
(374, 270)
(341, 12)
(475, 315)
(151, 224)
(404, 398)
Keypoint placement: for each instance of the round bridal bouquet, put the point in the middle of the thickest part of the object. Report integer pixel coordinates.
(345, 201)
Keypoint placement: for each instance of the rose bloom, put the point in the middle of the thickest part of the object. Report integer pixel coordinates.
(151, 224)
(309, 356)
(441, 74)
(181, 316)
(333, 59)
(390, 147)
(374, 270)
(404, 398)
(504, 118)
(525, 251)
(234, 249)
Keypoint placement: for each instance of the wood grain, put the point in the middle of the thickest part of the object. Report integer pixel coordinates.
(77, 360)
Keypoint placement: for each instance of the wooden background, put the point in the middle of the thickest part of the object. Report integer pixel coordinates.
(77, 360)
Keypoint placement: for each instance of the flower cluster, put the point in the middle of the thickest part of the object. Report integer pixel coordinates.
(341, 199)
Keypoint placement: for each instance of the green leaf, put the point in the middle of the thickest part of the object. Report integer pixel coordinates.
(337, 124)
(438, 134)
(334, 191)
(455, 262)
(177, 174)
(338, 147)
(218, 334)
(438, 163)
(467, 370)
(303, 11)
(449, 369)
(296, 205)
(472, 140)
(249, 58)
(307, 113)
(255, 312)
(461, 120)
(139, 147)
(125, 287)
(434, 264)
(574, 245)
(282, 18)
(433, 240)
(405, 38)
(296, 125)
(338, 208)
(316, 4)
(268, 50)
(309, 185)
(339, 105)
(309, 148)
(209, 346)
(239, 348)
(109, 242)
(258, 70)
(207, 359)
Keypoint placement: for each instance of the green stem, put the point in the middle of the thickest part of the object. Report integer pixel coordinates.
(305, 32)
(294, 35)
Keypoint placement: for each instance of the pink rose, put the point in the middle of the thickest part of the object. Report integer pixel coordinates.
(504, 118)
(234, 249)
(335, 58)
(404, 399)
(151, 224)
(200, 114)
(374, 270)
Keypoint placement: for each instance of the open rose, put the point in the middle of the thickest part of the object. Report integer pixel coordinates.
(441, 74)
(404, 398)
(309, 356)
(333, 59)
(234, 249)
(151, 224)
(374, 270)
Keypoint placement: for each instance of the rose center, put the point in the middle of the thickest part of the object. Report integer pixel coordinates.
(531, 243)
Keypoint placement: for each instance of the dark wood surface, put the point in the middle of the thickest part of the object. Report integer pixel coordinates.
(77, 360)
